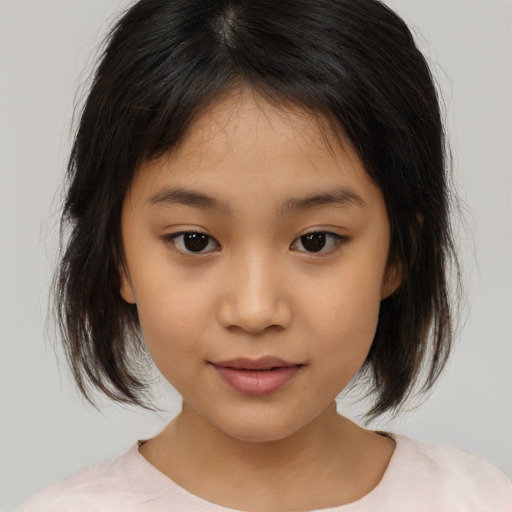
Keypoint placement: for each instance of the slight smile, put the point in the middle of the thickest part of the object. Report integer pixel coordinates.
(255, 377)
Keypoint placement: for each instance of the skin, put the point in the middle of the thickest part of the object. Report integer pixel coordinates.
(256, 290)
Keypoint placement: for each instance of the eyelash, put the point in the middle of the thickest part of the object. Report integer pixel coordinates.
(338, 241)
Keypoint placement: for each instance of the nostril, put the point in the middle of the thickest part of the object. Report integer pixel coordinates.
(254, 318)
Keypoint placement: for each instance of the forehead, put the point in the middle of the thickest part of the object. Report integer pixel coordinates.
(244, 148)
(242, 119)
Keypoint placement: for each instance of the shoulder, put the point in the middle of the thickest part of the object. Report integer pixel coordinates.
(98, 488)
(454, 478)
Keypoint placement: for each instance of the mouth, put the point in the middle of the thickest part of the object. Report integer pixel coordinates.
(261, 376)
(266, 363)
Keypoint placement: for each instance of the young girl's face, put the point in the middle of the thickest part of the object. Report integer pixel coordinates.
(285, 267)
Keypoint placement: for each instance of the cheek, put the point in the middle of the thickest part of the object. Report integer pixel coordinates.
(172, 318)
(346, 316)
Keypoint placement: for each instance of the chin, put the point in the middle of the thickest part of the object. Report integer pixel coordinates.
(258, 435)
(259, 430)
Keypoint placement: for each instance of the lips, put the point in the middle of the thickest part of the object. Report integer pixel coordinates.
(262, 363)
(254, 377)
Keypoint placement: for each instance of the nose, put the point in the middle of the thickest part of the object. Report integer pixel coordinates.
(254, 297)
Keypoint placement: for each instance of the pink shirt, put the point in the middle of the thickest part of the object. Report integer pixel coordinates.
(420, 478)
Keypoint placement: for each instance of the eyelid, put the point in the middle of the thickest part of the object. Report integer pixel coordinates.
(339, 241)
(170, 237)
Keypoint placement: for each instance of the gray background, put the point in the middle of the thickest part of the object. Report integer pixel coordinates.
(46, 430)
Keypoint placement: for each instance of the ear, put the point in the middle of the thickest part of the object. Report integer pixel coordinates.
(126, 287)
(393, 278)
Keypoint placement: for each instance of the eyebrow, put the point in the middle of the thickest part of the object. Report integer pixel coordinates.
(178, 195)
(339, 197)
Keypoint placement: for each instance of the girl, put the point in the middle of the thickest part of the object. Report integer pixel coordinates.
(258, 199)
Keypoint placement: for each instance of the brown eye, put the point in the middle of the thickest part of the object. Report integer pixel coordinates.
(313, 242)
(195, 242)
(190, 242)
(316, 241)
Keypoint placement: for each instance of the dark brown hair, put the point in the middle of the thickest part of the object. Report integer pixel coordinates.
(352, 62)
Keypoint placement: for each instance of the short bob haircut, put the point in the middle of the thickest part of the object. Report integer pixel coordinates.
(352, 63)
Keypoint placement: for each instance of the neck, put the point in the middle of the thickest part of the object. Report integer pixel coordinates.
(196, 436)
(332, 455)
